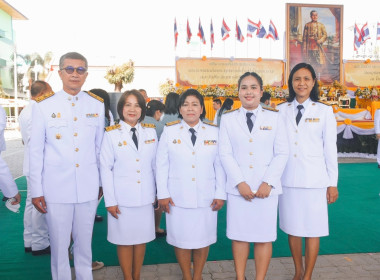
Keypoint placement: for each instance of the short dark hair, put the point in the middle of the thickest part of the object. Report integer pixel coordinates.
(313, 11)
(106, 98)
(140, 101)
(314, 94)
(266, 96)
(153, 106)
(217, 100)
(195, 93)
(171, 103)
(38, 87)
(72, 55)
(227, 105)
(253, 74)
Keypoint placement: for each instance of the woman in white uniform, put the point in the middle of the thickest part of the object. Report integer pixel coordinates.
(127, 166)
(311, 174)
(190, 183)
(253, 149)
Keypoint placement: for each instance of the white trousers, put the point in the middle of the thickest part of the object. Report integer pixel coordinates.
(64, 219)
(36, 233)
(7, 184)
(378, 152)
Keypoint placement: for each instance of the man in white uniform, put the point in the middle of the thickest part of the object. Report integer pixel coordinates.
(67, 131)
(7, 184)
(36, 235)
(377, 131)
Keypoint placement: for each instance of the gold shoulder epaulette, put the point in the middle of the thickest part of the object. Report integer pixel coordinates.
(229, 111)
(112, 127)
(148, 125)
(210, 123)
(95, 96)
(282, 102)
(173, 122)
(270, 109)
(325, 103)
(44, 96)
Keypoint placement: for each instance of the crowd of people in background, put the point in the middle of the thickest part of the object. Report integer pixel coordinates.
(153, 158)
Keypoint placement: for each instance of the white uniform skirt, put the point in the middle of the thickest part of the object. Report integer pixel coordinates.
(303, 212)
(252, 221)
(135, 225)
(191, 228)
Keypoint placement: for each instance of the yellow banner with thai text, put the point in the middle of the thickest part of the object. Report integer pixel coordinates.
(361, 73)
(221, 72)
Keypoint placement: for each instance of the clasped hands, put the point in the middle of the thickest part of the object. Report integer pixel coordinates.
(246, 192)
(165, 203)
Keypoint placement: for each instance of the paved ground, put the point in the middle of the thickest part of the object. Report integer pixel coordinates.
(337, 267)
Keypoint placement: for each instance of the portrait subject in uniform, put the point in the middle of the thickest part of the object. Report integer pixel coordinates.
(67, 132)
(310, 178)
(253, 149)
(190, 183)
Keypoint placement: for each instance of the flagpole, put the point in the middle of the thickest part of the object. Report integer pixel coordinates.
(247, 46)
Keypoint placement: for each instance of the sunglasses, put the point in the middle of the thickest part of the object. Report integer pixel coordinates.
(70, 70)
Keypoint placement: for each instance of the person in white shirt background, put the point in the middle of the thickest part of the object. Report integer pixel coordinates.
(216, 104)
(36, 234)
(311, 175)
(377, 131)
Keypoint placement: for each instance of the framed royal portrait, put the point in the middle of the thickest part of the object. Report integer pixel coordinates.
(314, 34)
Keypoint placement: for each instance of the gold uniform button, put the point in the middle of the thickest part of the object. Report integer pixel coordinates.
(250, 166)
(75, 134)
(75, 119)
(295, 155)
(295, 143)
(137, 160)
(77, 165)
(193, 153)
(296, 131)
(193, 166)
(76, 149)
(72, 104)
(138, 182)
(251, 154)
(138, 171)
(193, 179)
(251, 140)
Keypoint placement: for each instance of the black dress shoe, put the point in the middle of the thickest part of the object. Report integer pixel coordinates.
(161, 234)
(378, 166)
(45, 251)
(5, 198)
(98, 218)
(28, 249)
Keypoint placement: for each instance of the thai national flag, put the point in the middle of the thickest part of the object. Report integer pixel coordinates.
(272, 32)
(225, 30)
(175, 33)
(212, 39)
(188, 32)
(357, 38)
(201, 34)
(239, 35)
(378, 31)
(261, 32)
(251, 27)
(365, 33)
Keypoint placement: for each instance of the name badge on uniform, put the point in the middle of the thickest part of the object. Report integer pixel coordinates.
(265, 128)
(150, 141)
(210, 142)
(95, 115)
(312, 120)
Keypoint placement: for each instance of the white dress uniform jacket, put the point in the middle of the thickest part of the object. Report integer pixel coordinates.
(65, 143)
(3, 124)
(313, 159)
(253, 157)
(191, 175)
(25, 122)
(127, 173)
